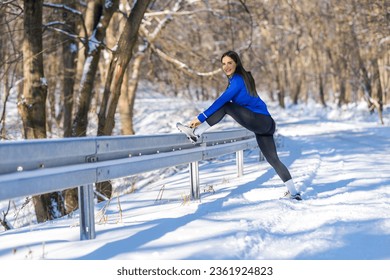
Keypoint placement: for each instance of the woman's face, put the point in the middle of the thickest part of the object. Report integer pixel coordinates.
(228, 66)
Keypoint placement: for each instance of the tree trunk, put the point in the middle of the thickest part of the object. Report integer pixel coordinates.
(126, 110)
(118, 65)
(84, 33)
(4, 86)
(32, 105)
(280, 91)
(343, 91)
(115, 74)
(128, 94)
(297, 90)
(321, 89)
(69, 55)
(378, 98)
(99, 19)
(102, 16)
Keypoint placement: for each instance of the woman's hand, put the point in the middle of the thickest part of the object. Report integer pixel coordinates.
(194, 123)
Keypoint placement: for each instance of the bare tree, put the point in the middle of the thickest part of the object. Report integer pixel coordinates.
(32, 102)
(11, 72)
(118, 65)
(102, 16)
(128, 95)
(69, 55)
(99, 19)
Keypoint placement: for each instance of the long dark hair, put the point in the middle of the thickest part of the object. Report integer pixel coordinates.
(246, 75)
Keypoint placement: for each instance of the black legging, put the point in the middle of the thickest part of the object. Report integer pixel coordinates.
(262, 125)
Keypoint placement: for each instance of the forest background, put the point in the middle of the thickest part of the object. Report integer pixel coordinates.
(70, 64)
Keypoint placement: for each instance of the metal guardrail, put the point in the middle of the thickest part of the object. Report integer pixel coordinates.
(33, 167)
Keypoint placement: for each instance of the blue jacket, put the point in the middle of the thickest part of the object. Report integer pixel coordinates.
(236, 92)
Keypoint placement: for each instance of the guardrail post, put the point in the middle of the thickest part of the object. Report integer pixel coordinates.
(87, 213)
(194, 178)
(240, 163)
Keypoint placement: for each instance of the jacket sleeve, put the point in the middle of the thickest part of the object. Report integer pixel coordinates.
(226, 96)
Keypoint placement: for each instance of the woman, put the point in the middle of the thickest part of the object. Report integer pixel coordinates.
(241, 101)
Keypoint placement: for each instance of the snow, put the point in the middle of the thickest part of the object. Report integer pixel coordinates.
(338, 157)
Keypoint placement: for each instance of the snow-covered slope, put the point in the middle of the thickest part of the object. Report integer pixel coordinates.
(338, 157)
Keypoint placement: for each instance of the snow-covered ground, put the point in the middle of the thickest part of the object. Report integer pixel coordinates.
(339, 158)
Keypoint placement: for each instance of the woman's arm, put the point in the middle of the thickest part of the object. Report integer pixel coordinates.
(234, 87)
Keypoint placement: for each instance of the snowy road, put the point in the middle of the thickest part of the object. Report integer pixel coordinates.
(342, 168)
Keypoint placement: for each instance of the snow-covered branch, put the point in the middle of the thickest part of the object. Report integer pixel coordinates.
(152, 36)
(180, 13)
(182, 66)
(72, 11)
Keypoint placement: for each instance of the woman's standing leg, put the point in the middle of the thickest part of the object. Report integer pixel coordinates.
(268, 148)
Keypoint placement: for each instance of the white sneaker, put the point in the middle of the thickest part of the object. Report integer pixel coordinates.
(296, 196)
(188, 131)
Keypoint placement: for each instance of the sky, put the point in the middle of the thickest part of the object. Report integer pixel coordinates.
(338, 157)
